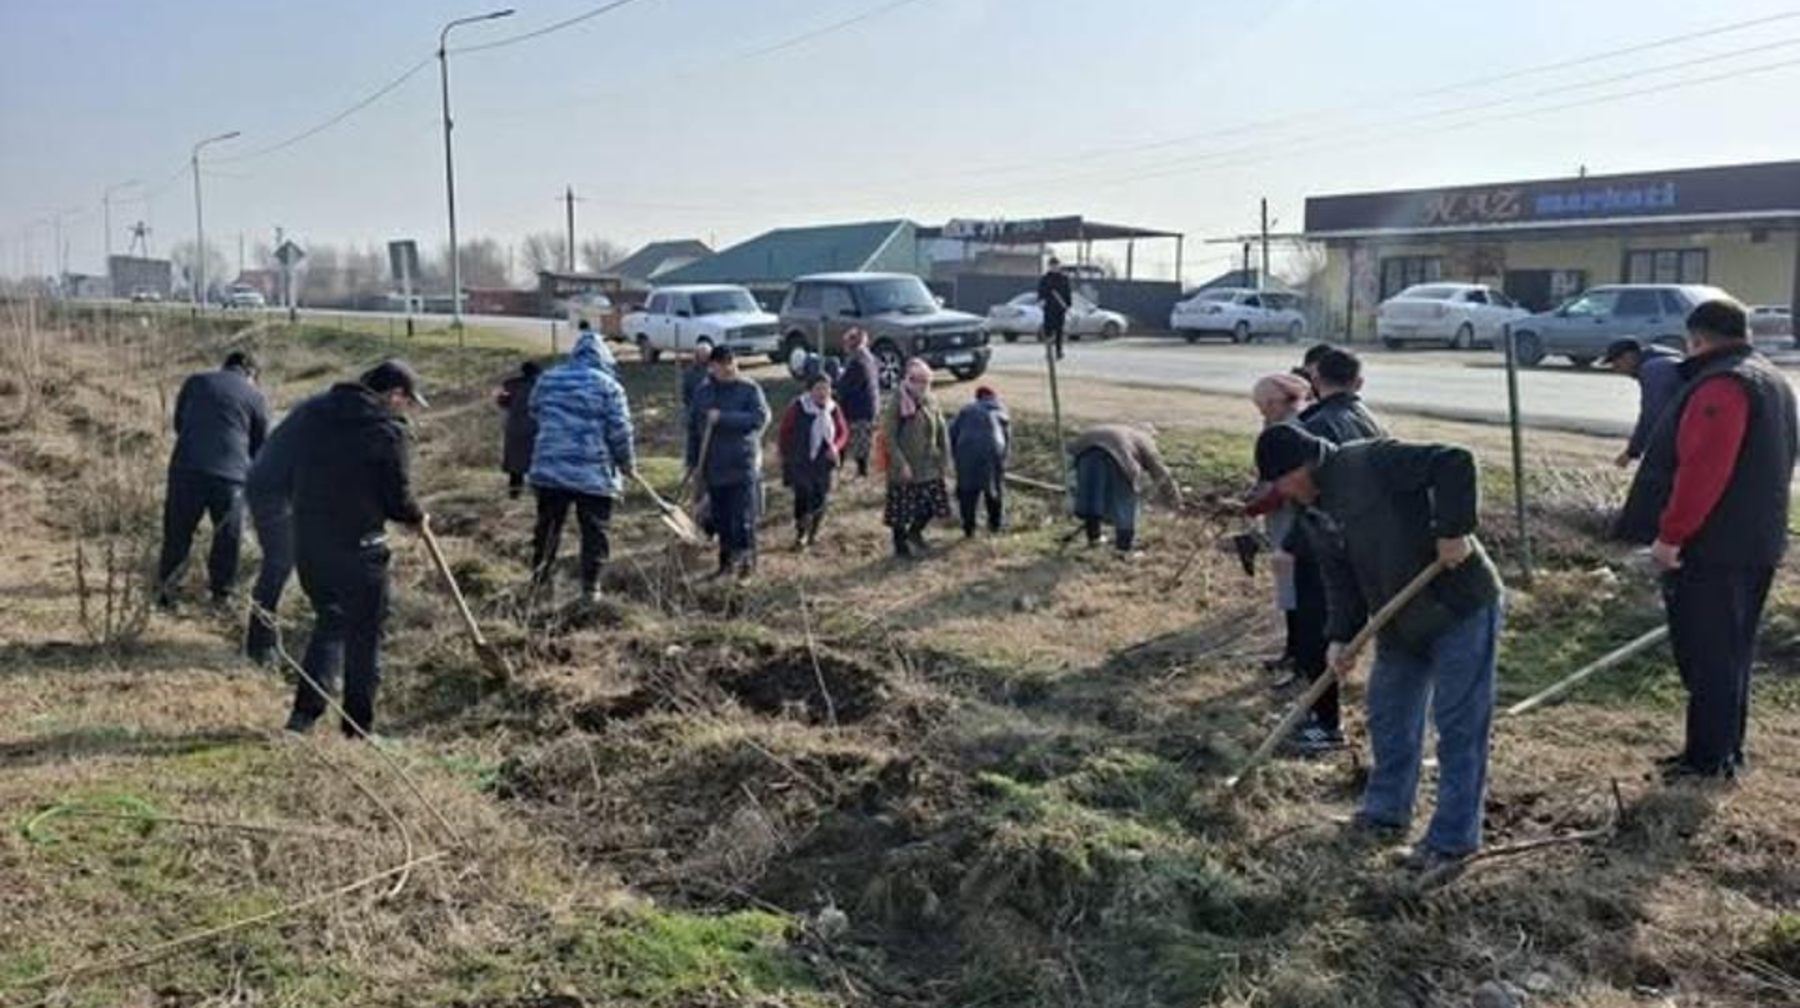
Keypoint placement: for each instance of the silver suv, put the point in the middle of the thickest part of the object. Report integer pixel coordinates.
(902, 317)
(1583, 327)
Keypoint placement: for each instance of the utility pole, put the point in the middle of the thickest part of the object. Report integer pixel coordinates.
(1246, 262)
(1262, 279)
(569, 199)
(443, 55)
(199, 279)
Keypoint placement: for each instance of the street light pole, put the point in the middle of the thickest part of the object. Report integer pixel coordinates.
(106, 214)
(443, 55)
(199, 281)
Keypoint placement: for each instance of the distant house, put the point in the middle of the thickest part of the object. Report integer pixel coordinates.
(647, 265)
(768, 263)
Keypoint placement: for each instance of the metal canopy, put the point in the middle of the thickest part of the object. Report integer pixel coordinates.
(1039, 231)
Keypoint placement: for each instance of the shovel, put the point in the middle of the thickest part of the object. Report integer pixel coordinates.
(1306, 700)
(699, 460)
(491, 658)
(676, 519)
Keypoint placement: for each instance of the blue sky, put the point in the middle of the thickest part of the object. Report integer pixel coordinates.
(1175, 114)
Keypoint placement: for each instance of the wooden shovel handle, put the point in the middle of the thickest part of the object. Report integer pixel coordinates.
(443, 568)
(1306, 700)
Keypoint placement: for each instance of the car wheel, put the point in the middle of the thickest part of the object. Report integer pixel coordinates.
(1391, 343)
(1581, 360)
(971, 372)
(1191, 337)
(890, 364)
(1011, 337)
(1464, 338)
(1241, 334)
(1111, 331)
(647, 353)
(1528, 349)
(1295, 331)
(794, 350)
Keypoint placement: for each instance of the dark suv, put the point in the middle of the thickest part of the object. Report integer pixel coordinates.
(902, 317)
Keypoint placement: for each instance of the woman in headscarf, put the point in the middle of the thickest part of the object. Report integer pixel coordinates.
(1280, 398)
(813, 436)
(917, 443)
(514, 396)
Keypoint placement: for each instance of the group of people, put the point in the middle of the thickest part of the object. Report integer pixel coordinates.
(1355, 516)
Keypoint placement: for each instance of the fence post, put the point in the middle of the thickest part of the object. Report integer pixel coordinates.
(1518, 455)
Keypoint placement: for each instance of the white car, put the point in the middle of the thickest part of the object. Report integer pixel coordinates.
(679, 319)
(1024, 316)
(1458, 315)
(245, 297)
(1240, 315)
(1772, 322)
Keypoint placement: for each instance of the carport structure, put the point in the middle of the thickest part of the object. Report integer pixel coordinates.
(1043, 232)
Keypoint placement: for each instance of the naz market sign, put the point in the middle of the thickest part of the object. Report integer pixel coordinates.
(1518, 203)
(1743, 190)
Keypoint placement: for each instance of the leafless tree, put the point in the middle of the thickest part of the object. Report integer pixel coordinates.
(545, 251)
(182, 255)
(600, 254)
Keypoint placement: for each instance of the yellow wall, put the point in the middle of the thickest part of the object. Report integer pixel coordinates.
(1757, 273)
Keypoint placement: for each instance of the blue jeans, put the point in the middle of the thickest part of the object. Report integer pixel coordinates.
(1456, 680)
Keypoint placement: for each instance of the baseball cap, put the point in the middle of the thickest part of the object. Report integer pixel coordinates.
(1285, 447)
(1619, 348)
(395, 374)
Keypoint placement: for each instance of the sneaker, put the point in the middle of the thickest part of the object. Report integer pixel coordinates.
(1671, 760)
(1687, 773)
(590, 596)
(1361, 829)
(1423, 860)
(1316, 740)
(298, 723)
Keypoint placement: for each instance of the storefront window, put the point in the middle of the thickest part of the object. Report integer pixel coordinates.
(1684, 266)
(1401, 272)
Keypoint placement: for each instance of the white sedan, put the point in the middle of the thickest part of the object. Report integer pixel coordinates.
(1240, 315)
(1024, 316)
(1458, 315)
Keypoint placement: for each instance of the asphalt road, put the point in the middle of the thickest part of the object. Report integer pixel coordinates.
(1451, 385)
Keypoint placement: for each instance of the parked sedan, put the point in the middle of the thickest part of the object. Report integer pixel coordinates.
(1024, 316)
(1239, 315)
(1457, 315)
(1583, 327)
(1774, 323)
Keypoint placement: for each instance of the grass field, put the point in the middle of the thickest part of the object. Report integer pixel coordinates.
(992, 777)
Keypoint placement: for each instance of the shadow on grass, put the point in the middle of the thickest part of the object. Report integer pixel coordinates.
(116, 740)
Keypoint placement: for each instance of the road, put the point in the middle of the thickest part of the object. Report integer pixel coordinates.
(1449, 385)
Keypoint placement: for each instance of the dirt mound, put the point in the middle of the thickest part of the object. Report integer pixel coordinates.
(822, 686)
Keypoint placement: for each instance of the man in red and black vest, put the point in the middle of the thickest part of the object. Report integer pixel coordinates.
(1712, 497)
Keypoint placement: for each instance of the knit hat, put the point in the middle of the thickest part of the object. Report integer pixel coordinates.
(986, 392)
(395, 374)
(1285, 447)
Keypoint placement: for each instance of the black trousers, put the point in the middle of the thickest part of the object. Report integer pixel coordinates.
(1054, 323)
(734, 518)
(275, 536)
(811, 496)
(191, 496)
(968, 498)
(348, 588)
(1714, 613)
(1306, 636)
(593, 513)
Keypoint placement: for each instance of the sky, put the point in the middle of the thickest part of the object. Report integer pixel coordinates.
(719, 119)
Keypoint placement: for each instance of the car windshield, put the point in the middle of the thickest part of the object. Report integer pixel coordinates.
(723, 302)
(1429, 293)
(1218, 295)
(906, 295)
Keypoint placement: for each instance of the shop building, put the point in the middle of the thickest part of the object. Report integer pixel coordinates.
(1735, 227)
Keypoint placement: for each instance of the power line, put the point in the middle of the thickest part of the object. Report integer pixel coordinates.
(605, 8)
(307, 134)
(835, 26)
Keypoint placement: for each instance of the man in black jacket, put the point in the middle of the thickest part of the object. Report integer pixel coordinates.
(1055, 295)
(1712, 496)
(220, 421)
(268, 490)
(1340, 418)
(1377, 513)
(351, 477)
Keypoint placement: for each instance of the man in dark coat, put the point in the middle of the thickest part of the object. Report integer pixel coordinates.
(1712, 496)
(352, 475)
(220, 421)
(1377, 513)
(521, 430)
(859, 396)
(734, 410)
(1658, 373)
(1340, 418)
(268, 490)
(695, 373)
(980, 442)
(1055, 296)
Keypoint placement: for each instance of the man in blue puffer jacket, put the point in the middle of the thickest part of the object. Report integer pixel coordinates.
(583, 455)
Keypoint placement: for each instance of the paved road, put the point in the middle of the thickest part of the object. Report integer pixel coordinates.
(1458, 386)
